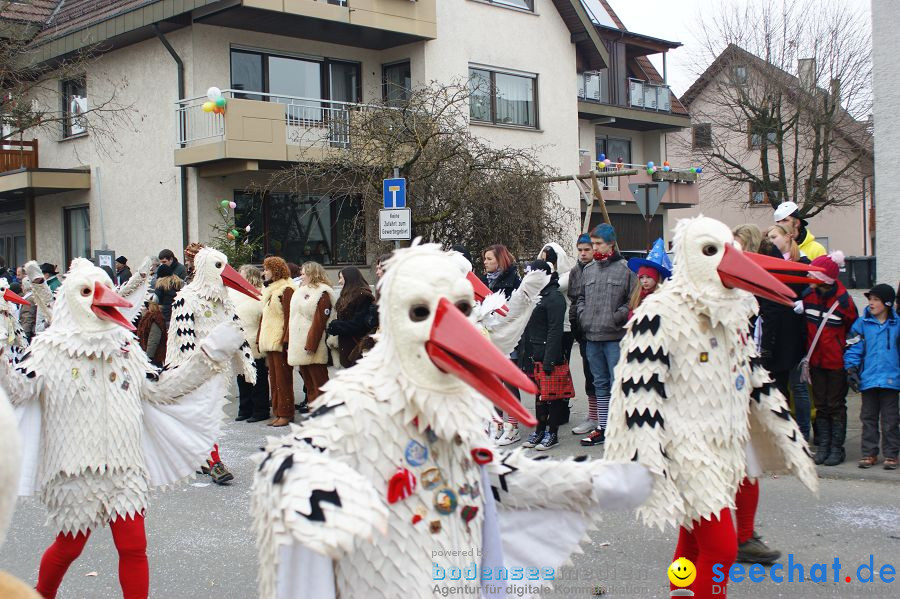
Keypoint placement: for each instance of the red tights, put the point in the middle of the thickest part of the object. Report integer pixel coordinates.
(710, 542)
(131, 543)
(745, 502)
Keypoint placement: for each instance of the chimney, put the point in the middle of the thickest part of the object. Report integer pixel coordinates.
(836, 90)
(806, 69)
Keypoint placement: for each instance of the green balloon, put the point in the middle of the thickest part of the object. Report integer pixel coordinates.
(220, 102)
(224, 203)
(693, 169)
(235, 232)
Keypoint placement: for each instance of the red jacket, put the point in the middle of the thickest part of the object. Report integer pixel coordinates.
(829, 351)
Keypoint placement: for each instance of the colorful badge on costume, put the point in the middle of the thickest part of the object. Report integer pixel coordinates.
(468, 514)
(704, 357)
(401, 485)
(476, 491)
(739, 382)
(435, 527)
(430, 435)
(431, 478)
(416, 453)
(445, 501)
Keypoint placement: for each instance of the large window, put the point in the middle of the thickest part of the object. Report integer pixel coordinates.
(301, 228)
(77, 226)
(397, 81)
(759, 134)
(765, 195)
(503, 98)
(523, 4)
(74, 100)
(701, 135)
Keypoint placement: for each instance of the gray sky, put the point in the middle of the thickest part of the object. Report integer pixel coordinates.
(676, 20)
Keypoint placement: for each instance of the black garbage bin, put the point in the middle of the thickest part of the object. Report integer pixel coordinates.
(860, 272)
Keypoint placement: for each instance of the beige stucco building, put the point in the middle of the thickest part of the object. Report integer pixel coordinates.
(156, 180)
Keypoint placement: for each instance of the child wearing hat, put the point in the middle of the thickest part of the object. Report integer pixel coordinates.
(651, 271)
(829, 312)
(872, 361)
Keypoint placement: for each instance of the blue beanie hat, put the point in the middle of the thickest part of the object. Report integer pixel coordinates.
(605, 232)
(583, 238)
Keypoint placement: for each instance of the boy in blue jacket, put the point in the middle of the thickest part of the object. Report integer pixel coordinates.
(872, 362)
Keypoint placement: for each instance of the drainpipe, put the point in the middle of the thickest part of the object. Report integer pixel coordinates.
(181, 95)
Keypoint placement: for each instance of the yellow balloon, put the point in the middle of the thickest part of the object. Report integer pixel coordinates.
(209, 106)
(601, 165)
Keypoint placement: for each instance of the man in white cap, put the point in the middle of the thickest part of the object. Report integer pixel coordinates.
(788, 215)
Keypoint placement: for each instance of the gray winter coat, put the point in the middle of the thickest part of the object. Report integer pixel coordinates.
(603, 294)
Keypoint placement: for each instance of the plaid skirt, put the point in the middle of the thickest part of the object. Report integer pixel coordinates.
(556, 385)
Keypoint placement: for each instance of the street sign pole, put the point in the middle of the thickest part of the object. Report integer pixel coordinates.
(396, 176)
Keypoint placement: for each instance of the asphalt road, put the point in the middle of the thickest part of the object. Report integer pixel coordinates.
(201, 547)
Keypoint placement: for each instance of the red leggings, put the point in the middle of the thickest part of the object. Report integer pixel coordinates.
(745, 502)
(711, 542)
(131, 543)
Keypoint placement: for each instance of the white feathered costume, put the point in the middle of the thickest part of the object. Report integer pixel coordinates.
(402, 425)
(689, 389)
(12, 336)
(102, 425)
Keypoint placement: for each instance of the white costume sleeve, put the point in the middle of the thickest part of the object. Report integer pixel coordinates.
(43, 296)
(20, 382)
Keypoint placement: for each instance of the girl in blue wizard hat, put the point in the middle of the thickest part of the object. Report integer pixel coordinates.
(651, 271)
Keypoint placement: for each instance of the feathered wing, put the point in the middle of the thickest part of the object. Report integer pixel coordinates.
(23, 387)
(182, 337)
(43, 296)
(136, 290)
(777, 441)
(308, 504)
(507, 330)
(243, 360)
(636, 427)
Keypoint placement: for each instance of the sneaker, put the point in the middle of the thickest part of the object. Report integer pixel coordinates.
(220, 473)
(755, 551)
(533, 439)
(597, 437)
(499, 432)
(585, 427)
(550, 439)
(890, 463)
(512, 436)
(302, 408)
(868, 461)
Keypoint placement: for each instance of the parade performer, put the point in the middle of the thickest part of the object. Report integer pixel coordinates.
(393, 465)
(13, 336)
(689, 393)
(199, 307)
(102, 426)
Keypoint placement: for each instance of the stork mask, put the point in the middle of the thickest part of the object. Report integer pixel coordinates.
(7, 296)
(212, 271)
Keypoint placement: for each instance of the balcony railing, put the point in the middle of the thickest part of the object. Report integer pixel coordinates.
(18, 154)
(650, 96)
(309, 121)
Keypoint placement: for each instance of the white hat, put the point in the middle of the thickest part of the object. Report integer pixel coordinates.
(786, 209)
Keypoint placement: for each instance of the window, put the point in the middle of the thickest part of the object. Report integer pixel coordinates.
(760, 134)
(523, 4)
(305, 227)
(760, 196)
(739, 74)
(503, 98)
(77, 224)
(74, 99)
(397, 82)
(701, 135)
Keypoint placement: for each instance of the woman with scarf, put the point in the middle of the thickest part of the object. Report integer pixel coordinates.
(356, 315)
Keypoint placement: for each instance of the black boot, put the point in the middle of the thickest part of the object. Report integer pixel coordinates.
(836, 454)
(822, 426)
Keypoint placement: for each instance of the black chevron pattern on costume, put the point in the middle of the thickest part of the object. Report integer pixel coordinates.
(505, 474)
(186, 347)
(642, 355)
(309, 441)
(645, 417)
(178, 303)
(634, 458)
(757, 393)
(286, 465)
(153, 376)
(496, 492)
(793, 436)
(646, 324)
(653, 384)
(317, 497)
(783, 413)
(183, 317)
(325, 409)
(185, 332)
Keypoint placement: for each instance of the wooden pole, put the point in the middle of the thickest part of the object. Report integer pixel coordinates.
(596, 189)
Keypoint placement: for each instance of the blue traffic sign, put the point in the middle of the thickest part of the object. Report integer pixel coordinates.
(394, 193)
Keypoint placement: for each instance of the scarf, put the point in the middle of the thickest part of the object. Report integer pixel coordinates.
(493, 276)
(600, 257)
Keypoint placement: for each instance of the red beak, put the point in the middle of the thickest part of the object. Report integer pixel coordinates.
(457, 348)
(781, 269)
(233, 279)
(737, 270)
(105, 303)
(12, 296)
(481, 291)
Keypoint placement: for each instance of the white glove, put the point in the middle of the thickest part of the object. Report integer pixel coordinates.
(798, 306)
(33, 270)
(533, 283)
(620, 486)
(222, 342)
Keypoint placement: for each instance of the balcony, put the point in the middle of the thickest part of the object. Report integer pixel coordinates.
(649, 96)
(637, 106)
(20, 176)
(272, 128)
(680, 183)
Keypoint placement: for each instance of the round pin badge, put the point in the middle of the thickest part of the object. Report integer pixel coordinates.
(416, 453)
(445, 501)
(431, 478)
(739, 382)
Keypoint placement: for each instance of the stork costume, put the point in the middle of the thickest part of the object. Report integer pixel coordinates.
(102, 426)
(689, 393)
(199, 307)
(12, 336)
(392, 466)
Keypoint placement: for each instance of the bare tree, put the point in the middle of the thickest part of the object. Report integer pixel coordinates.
(787, 82)
(33, 98)
(461, 189)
